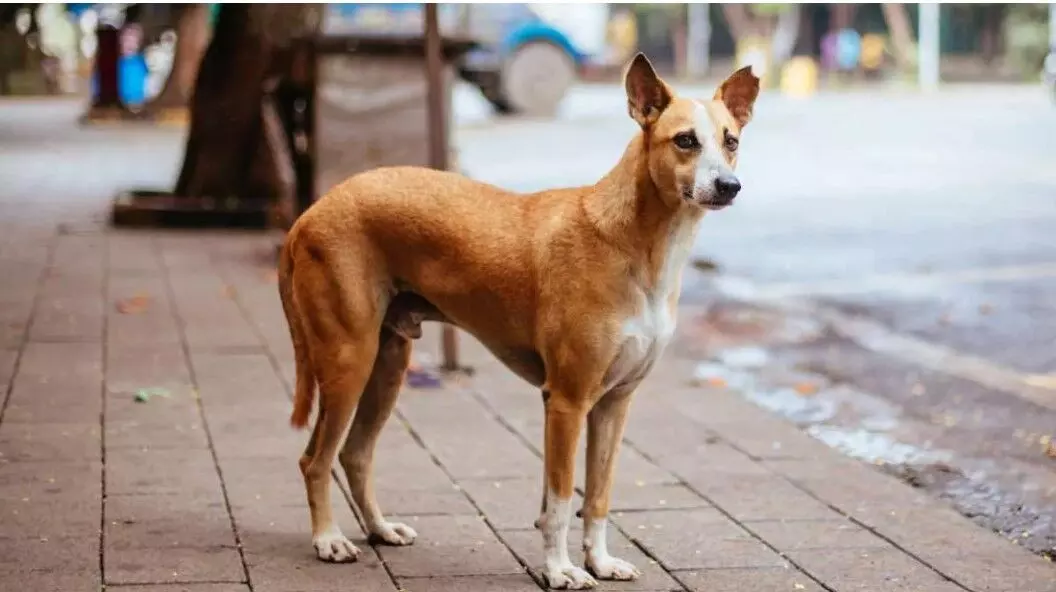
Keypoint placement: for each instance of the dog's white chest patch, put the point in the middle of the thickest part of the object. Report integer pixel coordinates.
(645, 336)
(646, 333)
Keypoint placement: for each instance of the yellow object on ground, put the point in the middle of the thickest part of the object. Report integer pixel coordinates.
(873, 46)
(799, 77)
(623, 35)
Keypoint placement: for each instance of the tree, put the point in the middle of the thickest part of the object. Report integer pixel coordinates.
(192, 39)
(779, 23)
(897, 18)
(237, 146)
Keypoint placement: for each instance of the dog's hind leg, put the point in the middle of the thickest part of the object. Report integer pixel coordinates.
(357, 455)
(343, 328)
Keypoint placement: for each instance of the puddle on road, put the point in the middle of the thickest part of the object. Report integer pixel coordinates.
(875, 448)
(871, 428)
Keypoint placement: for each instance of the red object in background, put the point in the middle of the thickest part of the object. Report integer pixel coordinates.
(108, 51)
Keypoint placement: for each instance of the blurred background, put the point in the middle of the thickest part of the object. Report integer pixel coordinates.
(887, 279)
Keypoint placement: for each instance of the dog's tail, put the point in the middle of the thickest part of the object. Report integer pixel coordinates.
(304, 391)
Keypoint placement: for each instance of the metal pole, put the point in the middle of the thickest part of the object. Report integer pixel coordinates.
(436, 89)
(698, 39)
(928, 57)
(1052, 26)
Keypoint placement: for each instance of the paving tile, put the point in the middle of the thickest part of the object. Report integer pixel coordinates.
(290, 565)
(510, 583)
(48, 582)
(528, 545)
(787, 535)
(132, 255)
(135, 521)
(872, 570)
(447, 502)
(157, 471)
(7, 360)
(176, 564)
(410, 469)
(696, 539)
(452, 424)
(49, 405)
(484, 557)
(253, 480)
(1011, 570)
(42, 393)
(655, 497)
(508, 504)
(450, 546)
(50, 499)
(68, 313)
(188, 588)
(225, 380)
(52, 557)
(131, 367)
(50, 441)
(762, 579)
(772, 438)
(709, 459)
(632, 469)
(762, 497)
(210, 316)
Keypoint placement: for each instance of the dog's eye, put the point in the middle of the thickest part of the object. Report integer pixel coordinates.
(731, 142)
(686, 140)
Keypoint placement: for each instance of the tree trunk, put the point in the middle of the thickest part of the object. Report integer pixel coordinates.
(901, 33)
(233, 148)
(786, 33)
(192, 39)
(740, 21)
(990, 35)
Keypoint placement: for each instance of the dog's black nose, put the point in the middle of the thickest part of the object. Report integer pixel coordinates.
(726, 187)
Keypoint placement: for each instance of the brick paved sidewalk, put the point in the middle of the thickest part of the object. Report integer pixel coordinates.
(198, 489)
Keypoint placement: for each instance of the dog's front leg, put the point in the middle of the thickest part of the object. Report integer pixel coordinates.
(564, 422)
(604, 432)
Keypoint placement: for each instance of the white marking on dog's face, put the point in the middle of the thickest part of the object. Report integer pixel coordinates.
(712, 161)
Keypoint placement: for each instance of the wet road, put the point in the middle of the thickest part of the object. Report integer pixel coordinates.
(910, 238)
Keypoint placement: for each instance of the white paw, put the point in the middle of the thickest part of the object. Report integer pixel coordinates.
(333, 546)
(608, 567)
(394, 533)
(568, 577)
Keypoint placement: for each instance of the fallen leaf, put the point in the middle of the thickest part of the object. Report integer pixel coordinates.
(146, 394)
(716, 382)
(806, 389)
(133, 305)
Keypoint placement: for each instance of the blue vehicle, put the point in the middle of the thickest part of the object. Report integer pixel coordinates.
(529, 54)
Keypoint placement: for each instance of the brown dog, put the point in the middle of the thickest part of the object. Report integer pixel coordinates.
(575, 290)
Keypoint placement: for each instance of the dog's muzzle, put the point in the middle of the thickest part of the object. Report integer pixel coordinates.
(721, 193)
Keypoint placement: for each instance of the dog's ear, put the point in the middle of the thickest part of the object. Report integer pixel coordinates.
(738, 93)
(647, 95)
